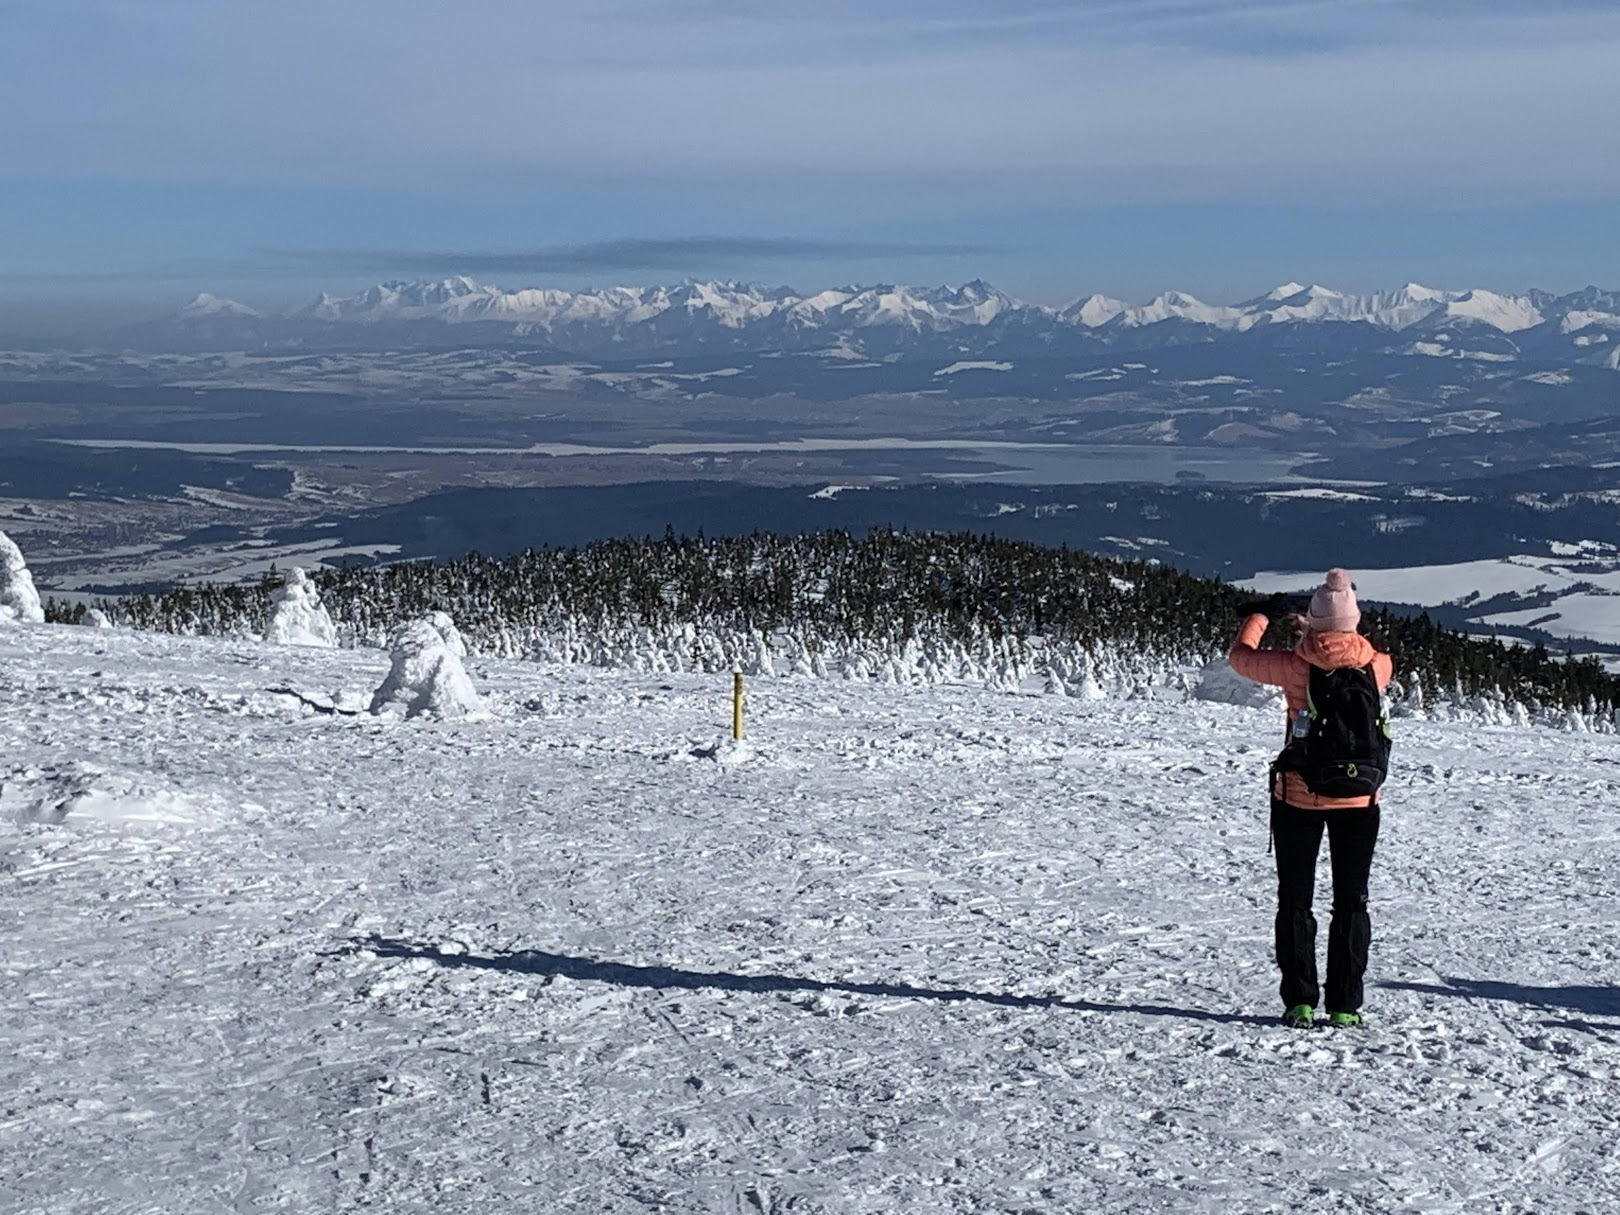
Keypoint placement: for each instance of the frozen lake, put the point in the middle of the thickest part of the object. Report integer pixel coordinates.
(1021, 463)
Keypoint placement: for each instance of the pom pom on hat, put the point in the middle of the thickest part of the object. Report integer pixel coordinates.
(1333, 607)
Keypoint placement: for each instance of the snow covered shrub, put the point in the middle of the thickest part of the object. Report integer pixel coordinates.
(95, 618)
(427, 677)
(297, 616)
(18, 598)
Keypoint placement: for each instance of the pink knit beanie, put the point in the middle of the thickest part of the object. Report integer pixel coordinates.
(1333, 607)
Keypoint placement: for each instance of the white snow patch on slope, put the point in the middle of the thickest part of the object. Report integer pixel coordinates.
(974, 365)
(203, 304)
(1506, 313)
(1586, 319)
(1595, 617)
(1442, 350)
(1094, 311)
(1582, 582)
(1322, 492)
(1178, 305)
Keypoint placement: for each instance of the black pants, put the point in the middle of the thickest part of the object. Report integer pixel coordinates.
(1297, 835)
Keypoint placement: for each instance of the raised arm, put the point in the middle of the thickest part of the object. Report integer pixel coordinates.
(1250, 661)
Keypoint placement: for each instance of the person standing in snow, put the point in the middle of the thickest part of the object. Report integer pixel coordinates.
(1328, 641)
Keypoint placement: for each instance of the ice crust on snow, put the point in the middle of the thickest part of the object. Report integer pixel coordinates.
(19, 601)
(427, 677)
(297, 616)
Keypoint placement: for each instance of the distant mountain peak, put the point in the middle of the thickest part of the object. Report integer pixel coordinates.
(208, 305)
(1417, 291)
(1094, 311)
(979, 318)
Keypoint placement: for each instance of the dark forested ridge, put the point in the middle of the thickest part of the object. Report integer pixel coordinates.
(1229, 531)
(885, 588)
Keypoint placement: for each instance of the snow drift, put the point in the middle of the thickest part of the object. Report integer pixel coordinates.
(78, 792)
(1219, 684)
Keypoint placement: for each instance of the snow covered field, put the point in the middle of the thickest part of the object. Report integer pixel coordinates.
(1584, 585)
(905, 950)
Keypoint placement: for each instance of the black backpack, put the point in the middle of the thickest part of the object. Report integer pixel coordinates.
(1344, 751)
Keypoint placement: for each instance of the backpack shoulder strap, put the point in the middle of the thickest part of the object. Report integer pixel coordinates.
(1315, 684)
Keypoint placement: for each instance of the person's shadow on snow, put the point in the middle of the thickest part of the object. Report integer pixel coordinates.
(1591, 1001)
(621, 974)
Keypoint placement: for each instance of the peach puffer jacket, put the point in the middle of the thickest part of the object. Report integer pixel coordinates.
(1290, 670)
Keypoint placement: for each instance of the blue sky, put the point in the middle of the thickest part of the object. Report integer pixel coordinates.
(152, 149)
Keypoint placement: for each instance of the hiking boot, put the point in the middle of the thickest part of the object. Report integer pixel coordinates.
(1300, 1016)
(1345, 1020)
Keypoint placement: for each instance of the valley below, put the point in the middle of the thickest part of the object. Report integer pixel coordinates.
(1485, 487)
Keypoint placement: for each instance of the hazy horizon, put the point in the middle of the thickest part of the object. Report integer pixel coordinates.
(1054, 149)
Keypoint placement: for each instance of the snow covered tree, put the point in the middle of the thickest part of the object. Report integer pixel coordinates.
(887, 605)
(426, 677)
(297, 616)
(18, 599)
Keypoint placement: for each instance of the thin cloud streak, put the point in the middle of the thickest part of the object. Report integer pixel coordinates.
(689, 91)
(856, 30)
(282, 144)
(678, 253)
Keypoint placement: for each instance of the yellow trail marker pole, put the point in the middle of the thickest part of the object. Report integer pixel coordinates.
(736, 705)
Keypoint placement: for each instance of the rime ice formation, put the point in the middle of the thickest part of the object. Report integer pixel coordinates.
(297, 616)
(18, 598)
(447, 629)
(426, 677)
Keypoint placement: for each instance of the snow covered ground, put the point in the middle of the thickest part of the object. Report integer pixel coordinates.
(904, 950)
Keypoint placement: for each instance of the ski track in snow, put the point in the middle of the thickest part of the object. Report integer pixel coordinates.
(903, 950)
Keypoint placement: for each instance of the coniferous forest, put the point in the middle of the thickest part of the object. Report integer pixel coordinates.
(879, 605)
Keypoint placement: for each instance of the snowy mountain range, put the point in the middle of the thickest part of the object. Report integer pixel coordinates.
(1580, 327)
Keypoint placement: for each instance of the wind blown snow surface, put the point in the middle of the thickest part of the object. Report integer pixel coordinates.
(903, 949)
